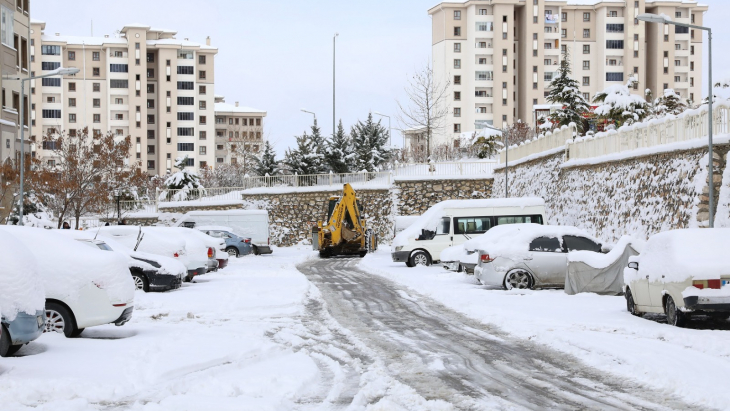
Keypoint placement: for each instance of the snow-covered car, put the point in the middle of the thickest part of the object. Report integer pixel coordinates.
(22, 298)
(528, 255)
(456, 258)
(199, 244)
(681, 273)
(157, 242)
(150, 272)
(236, 246)
(84, 287)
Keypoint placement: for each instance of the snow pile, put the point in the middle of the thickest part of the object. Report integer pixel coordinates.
(598, 260)
(430, 219)
(20, 286)
(678, 255)
(66, 266)
(513, 240)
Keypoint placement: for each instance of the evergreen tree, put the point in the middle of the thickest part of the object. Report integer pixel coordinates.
(267, 164)
(669, 103)
(369, 140)
(307, 157)
(188, 182)
(339, 151)
(564, 90)
(618, 105)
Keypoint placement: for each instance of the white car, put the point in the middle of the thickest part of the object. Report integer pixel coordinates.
(84, 287)
(456, 258)
(200, 246)
(681, 273)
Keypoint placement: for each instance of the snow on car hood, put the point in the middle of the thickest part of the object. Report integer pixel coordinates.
(697, 253)
(598, 260)
(458, 253)
(513, 240)
(152, 243)
(430, 219)
(66, 266)
(21, 289)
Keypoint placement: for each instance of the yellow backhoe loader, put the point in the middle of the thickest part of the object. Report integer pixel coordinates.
(344, 232)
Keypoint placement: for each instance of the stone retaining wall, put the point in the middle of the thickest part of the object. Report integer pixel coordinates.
(415, 197)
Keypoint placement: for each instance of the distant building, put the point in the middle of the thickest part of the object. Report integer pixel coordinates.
(238, 130)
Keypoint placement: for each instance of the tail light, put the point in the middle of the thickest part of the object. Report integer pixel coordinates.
(119, 305)
(176, 255)
(211, 253)
(484, 258)
(702, 284)
(246, 240)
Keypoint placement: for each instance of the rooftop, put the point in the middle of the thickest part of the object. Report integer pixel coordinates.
(230, 108)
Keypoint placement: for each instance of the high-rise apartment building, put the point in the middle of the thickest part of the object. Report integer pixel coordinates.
(238, 131)
(143, 83)
(498, 57)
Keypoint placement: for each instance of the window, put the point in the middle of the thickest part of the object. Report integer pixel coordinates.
(50, 145)
(457, 15)
(202, 105)
(151, 164)
(7, 30)
(613, 13)
(677, 63)
(118, 53)
(614, 76)
(676, 79)
(692, 50)
(457, 80)
(546, 244)
(51, 82)
(45, 50)
(636, 54)
(97, 103)
(185, 116)
(185, 146)
(186, 101)
(50, 65)
(586, 96)
(203, 150)
(150, 119)
(681, 30)
(457, 112)
(118, 84)
(150, 88)
(48, 99)
(457, 47)
(586, 33)
(586, 49)
(563, 16)
(563, 33)
(485, 26)
(202, 89)
(614, 44)
(97, 118)
(72, 55)
(586, 16)
(691, 66)
(614, 28)
(95, 72)
(96, 86)
(573, 243)
(202, 135)
(586, 81)
(72, 102)
(472, 225)
(586, 64)
(185, 131)
(457, 96)
(185, 70)
(71, 86)
(150, 73)
(201, 59)
(119, 116)
(457, 31)
(150, 103)
(666, 86)
(457, 63)
(72, 118)
(201, 74)
(185, 85)
(119, 68)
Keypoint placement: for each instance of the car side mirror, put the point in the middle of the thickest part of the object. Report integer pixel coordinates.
(634, 265)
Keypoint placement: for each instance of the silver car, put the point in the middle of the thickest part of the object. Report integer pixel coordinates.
(537, 261)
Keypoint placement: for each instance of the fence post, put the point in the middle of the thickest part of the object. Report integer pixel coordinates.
(157, 199)
(296, 179)
(461, 171)
(331, 177)
(390, 175)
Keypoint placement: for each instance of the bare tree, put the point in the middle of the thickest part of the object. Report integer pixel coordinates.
(427, 106)
(8, 186)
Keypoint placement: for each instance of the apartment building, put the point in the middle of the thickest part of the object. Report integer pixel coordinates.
(14, 31)
(143, 83)
(498, 57)
(238, 130)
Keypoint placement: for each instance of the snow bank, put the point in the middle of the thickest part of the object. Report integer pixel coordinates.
(21, 289)
(430, 218)
(598, 260)
(696, 253)
(65, 265)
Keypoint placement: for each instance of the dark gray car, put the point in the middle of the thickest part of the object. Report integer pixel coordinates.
(236, 246)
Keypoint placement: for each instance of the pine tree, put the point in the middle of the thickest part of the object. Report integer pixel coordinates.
(267, 164)
(188, 182)
(618, 105)
(307, 157)
(565, 90)
(369, 140)
(339, 151)
(669, 103)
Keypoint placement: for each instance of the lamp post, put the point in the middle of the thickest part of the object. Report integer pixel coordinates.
(390, 130)
(334, 55)
(661, 19)
(57, 72)
(312, 113)
(506, 157)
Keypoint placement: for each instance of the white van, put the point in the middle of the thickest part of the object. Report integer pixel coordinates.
(253, 224)
(453, 222)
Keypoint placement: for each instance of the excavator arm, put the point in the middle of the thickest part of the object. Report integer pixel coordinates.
(344, 232)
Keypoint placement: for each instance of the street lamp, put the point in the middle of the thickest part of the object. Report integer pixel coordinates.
(506, 157)
(312, 113)
(390, 130)
(57, 72)
(334, 55)
(662, 19)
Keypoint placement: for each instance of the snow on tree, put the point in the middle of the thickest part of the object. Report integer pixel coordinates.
(184, 180)
(669, 103)
(564, 90)
(339, 156)
(369, 140)
(617, 104)
(307, 157)
(267, 164)
(486, 143)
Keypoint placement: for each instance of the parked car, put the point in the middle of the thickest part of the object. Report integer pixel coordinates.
(236, 246)
(252, 224)
(681, 273)
(453, 222)
(456, 258)
(528, 255)
(22, 298)
(150, 272)
(213, 249)
(84, 287)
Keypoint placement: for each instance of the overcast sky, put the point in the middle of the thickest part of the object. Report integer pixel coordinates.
(277, 55)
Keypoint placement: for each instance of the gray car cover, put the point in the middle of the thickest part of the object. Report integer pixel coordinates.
(603, 275)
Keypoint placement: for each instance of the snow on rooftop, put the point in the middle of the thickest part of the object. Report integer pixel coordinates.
(89, 41)
(230, 108)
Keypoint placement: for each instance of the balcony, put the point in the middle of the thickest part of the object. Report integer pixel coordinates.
(681, 53)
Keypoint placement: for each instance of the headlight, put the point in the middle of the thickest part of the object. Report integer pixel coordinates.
(399, 248)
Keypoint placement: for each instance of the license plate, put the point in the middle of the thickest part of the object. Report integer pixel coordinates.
(39, 318)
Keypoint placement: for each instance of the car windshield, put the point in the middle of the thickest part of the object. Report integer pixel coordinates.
(104, 246)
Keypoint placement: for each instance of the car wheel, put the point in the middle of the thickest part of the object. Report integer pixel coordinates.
(630, 304)
(675, 317)
(140, 282)
(518, 279)
(255, 250)
(60, 320)
(408, 263)
(77, 332)
(232, 251)
(5, 343)
(14, 349)
(420, 258)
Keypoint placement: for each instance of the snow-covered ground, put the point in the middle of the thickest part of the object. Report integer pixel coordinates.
(691, 363)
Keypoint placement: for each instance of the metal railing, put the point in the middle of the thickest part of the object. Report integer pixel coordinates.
(690, 125)
(544, 142)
